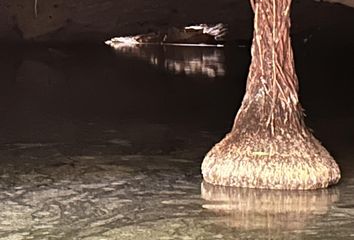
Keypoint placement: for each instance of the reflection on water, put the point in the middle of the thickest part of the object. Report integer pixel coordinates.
(207, 61)
(254, 209)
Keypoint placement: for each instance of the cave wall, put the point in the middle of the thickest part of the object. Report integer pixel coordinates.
(349, 3)
(97, 20)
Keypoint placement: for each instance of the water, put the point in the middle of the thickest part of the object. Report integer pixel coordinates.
(98, 144)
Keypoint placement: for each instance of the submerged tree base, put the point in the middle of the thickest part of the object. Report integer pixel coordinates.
(269, 145)
(284, 161)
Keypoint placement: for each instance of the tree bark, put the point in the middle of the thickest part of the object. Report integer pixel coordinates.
(271, 102)
(269, 145)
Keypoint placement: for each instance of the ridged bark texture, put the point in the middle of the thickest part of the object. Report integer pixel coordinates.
(269, 145)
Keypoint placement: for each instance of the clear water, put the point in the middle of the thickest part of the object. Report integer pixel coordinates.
(98, 144)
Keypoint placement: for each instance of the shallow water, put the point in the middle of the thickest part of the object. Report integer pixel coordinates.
(97, 144)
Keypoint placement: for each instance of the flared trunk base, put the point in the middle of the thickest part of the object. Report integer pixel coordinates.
(283, 161)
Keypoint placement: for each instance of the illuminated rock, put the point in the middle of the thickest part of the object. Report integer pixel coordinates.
(195, 34)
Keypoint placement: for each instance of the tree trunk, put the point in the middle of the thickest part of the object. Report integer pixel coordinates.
(271, 102)
(269, 145)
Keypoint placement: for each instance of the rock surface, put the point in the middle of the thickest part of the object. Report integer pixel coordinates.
(98, 20)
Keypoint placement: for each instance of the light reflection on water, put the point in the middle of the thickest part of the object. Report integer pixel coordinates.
(208, 61)
(270, 210)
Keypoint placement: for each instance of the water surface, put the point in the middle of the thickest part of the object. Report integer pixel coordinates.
(97, 143)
